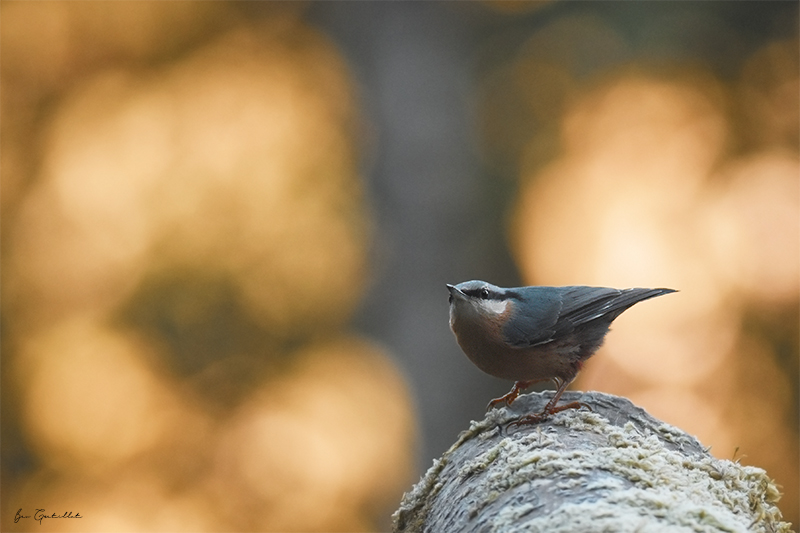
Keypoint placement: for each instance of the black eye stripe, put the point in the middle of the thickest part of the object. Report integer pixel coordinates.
(484, 293)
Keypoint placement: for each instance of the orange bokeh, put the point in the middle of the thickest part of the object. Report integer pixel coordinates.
(181, 271)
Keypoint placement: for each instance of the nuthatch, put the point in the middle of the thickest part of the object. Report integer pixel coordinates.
(530, 334)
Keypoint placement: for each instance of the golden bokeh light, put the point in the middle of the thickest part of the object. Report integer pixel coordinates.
(83, 34)
(90, 403)
(323, 446)
(194, 231)
(208, 163)
(636, 114)
(757, 209)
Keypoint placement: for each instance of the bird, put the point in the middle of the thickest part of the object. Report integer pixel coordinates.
(532, 334)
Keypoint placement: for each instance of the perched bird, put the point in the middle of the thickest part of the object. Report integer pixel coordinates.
(530, 334)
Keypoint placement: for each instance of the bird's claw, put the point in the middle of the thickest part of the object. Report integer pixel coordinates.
(511, 395)
(545, 414)
(528, 419)
(497, 401)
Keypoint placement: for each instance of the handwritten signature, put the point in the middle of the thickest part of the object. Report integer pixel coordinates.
(40, 515)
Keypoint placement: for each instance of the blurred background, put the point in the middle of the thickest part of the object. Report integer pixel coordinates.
(227, 229)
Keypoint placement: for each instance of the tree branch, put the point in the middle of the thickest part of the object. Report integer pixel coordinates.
(614, 468)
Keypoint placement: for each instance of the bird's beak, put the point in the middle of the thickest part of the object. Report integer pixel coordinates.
(456, 292)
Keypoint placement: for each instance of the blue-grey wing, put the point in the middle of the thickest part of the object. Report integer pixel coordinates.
(552, 313)
(536, 313)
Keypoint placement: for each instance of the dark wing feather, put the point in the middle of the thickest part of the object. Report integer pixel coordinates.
(614, 307)
(566, 308)
(581, 304)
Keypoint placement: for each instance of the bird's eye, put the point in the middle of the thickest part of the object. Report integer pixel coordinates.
(485, 293)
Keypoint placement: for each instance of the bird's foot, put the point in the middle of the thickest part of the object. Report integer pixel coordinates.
(546, 413)
(529, 419)
(512, 395)
(507, 399)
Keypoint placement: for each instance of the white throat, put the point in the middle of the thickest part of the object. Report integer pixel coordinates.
(493, 307)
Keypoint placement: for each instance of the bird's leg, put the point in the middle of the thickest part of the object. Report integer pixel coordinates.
(509, 398)
(550, 408)
(515, 391)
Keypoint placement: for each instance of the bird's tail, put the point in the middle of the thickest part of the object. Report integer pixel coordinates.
(629, 297)
(599, 302)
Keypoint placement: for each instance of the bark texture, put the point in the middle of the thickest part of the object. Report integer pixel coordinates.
(614, 468)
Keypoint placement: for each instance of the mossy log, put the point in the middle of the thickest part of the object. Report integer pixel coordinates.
(614, 468)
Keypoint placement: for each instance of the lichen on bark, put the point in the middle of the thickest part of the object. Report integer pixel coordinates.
(612, 468)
